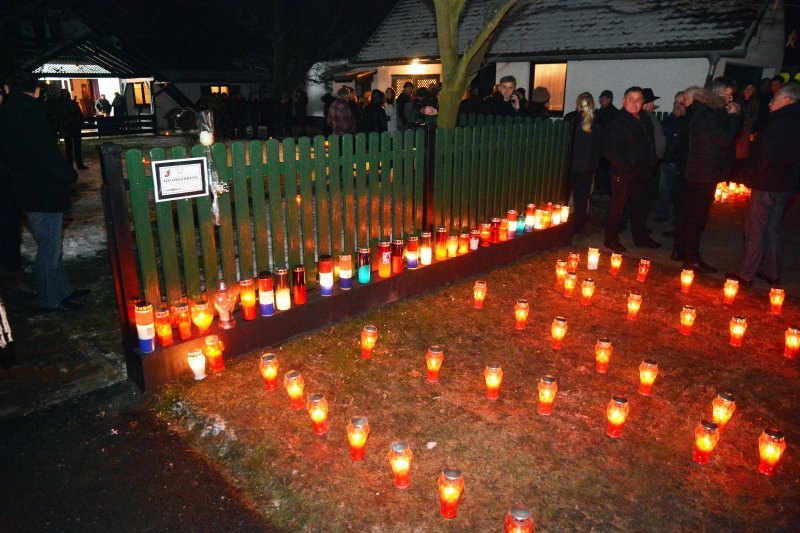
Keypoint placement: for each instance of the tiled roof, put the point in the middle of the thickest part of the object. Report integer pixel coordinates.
(571, 28)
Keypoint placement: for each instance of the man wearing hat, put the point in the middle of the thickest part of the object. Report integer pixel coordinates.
(538, 105)
(607, 109)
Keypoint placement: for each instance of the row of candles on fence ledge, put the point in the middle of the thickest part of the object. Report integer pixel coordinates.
(275, 292)
(731, 192)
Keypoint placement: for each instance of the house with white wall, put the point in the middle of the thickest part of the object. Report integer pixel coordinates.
(572, 46)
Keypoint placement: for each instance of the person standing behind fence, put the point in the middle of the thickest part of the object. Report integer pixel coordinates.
(587, 145)
(713, 129)
(374, 118)
(605, 113)
(537, 107)
(118, 105)
(404, 100)
(40, 181)
(667, 169)
(340, 118)
(103, 106)
(72, 122)
(771, 171)
(505, 103)
(632, 157)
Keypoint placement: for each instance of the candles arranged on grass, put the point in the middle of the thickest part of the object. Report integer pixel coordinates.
(561, 272)
(547, 388)
(729, 291)
(283, 297)
(592, 259)
(385, 259)
(478, 294)
(183, 320)
(615, 264)
(400, 463)
(776, 297)
(521, 310)
(213, 349)
(648, 370)
(616, 414)
(722, 408)
(570, 281)
(325, 275)
(573, 260)
(317, 407)
(145, 326)
(266, 294)
(425, 250)
(738, 326)
(364, 267)
(642, 271)
(771, 445)
(397, 256)
(558, 329)
(197, 363)
(602, 355)
(451, 486)
(486, 234)
(519, 520)
(687, 277)
(634, 304)
(369, 337)
(412, 252)
(587, 291)
(357, 435)
(294, 385)
(688, 315)
(433, 363)
(706, 436)
(224, 303)
(268, 366)
(474, 239)
(163, 325)
(792, 346)
(247, 297)
(511, 217)
(441, 244)
(493, 374)
(452, 246)
(463, 244)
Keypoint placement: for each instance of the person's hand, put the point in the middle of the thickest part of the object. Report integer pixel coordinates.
(733, 108)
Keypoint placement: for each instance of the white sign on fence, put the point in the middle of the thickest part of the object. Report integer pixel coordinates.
(176, 179)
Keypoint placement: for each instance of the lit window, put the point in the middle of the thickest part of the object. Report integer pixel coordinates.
(220, 89)
(141, 94)
(552, 76)
(429, 81)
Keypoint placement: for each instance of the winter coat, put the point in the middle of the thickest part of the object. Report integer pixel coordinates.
(712, 132)
(38, 176)
(496, 106)
(628, 148)
(537, 110)
(606, 114)
(374, 119)
(586, 147)
(340, 118)
(774, 162)
(671, 127)
(750, 109)
(401, 103)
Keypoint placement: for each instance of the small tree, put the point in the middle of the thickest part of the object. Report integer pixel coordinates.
(459, 71)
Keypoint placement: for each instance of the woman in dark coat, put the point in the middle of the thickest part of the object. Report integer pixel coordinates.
(587, 143)
(374, 117)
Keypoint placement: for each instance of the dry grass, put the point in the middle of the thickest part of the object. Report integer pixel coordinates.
(562, 466)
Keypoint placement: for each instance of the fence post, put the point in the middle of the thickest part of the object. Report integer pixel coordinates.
(121, 253)
(428, 184)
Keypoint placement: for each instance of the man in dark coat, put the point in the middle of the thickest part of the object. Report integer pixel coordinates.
(505, 103)
(118, 105)
(404, 100)
(606, 111)
(713, 129)
(632, 157)
(771, 171)
(39, 180)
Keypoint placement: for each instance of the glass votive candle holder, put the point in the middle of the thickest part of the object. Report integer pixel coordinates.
(268, 366)
(602, 355)
(433, 363)
(776, 297)
(771, 445)
(493, 375)
(648, 371)
(615, 264)
(616, 414)
(634, 304)
(792, 342)
(478, 294)
(547, 389)
(642, 271)
(587, 291)
(738, 326)
(558, 329)
(521, 310)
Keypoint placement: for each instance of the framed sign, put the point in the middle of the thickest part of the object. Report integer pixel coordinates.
(176, 179)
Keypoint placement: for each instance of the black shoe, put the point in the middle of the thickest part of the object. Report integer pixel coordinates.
(64, 307)
(742, 282)
(668, 234)
(675, 256)
(700, 266)
(772, 281)
(77, 293)
(615, 247)
(649, 243)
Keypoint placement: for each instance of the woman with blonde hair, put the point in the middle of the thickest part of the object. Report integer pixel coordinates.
(587, 142)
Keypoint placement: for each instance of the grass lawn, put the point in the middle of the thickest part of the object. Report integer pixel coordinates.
(563, 467)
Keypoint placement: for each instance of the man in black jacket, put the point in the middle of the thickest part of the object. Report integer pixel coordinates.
(772, 171)
(632, 157)
(39, 180)
(505, 103)
(713, 129)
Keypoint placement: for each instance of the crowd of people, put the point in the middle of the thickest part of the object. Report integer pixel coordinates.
(257, 117)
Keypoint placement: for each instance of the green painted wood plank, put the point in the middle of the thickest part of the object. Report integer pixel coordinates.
(142, 226)
(167, 244)
(339, 241)
(514, 172)
(410, 195)
(277, 224)
(493, 190)
(457, 179)
(241, 198)
(349, 201)
(466, 179)
(438, 178)
(386, 186)
(259, 199)
(307, 206)
(447, 181)
(538, 161)
(399, 200)
(362, 192)
(189, 254)
(321, 195)
(292, 209)
(419, 177)
(373, 187)
(483, 172)
(227, 241)
(474, 175)
(208, 239)
(527, 179)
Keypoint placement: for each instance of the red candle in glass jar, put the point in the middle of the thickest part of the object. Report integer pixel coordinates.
(738, 326)
(163, 324)
(294, 385)
(493, 374)
(268, 366)
(521, 310)
(616, 414)
(400, 462)
(729, 291)
(792, 346)
(688, 316)
(644, 268)
(776, 297)
(478, 294)
(357, 435)
(648, 371)
(771, 445)
(440, 246)
(634, 303)
(433, 362)
(503, 233)
(687, 277)
(615, 264)
(587, 291)
(547, 388)
(452, 246)
(602, 355)
(397, 256)
(183, 321)
(519, 520)
(451, 486)
(573, 261)
(463, 244)
(486, 234)
(558, 330)
(299, 285)
(494, 231)
(247, 296)
(722, 409)
(213, 349)
(706, 436)
(317, 407)
(561, 273)
(570, 281)
(369, 337)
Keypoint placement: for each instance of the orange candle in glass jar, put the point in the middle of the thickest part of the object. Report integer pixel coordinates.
(369, 337)
(634, 303)
(452, 246)
(478, 294)
(729, 291)
(648, 370)
(738, 326)
(400, 461)
(486, 234)
(182, 320)
(163, 324)
(317, 407)
(573, 260)
(722, 409)
(615, 264)
(463, 244)
(357, 435)
(776, 297)
(771, 445)
(687, 277)
(213, 351)
(440, 245)
(503, 235)
(570, 281)
(587, 291)
(521, 310)
(433, 363)
(792, 346)
(547, 389)
(602, 355)
(451, 486)
(688, 316)
(558, 329)
(706, 436)
(294, 385)
(247, 297)
(268, 366)
(616, 414)
(644, 268)
(493, 374)
(561, 273)
(202, 316)
(519, 520)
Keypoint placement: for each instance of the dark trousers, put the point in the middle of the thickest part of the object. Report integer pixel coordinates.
(581, 184)
(73, 144)
(621, 191)
(10, 233)
(679, 212)
(699, 197)
(763, 249)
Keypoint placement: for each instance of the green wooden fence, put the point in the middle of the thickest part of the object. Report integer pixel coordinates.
(279, 213)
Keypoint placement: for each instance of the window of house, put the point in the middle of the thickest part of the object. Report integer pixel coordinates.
(424, 80)
(553, 76)
(220, 89)
(141, 94)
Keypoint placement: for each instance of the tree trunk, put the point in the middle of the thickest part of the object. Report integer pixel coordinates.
(449, 100)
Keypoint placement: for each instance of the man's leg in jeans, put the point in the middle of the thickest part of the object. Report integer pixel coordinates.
(755, 232)
(51, 278)
(772, 261)
(666, 182)
(619, 197)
